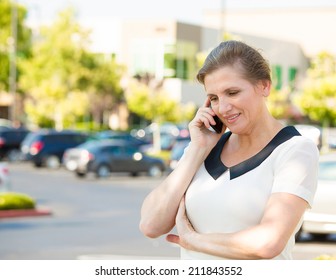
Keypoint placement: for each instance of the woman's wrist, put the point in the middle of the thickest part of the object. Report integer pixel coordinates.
(191, 241)
(197, 151)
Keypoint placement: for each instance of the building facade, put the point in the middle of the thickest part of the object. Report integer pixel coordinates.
(310, 27)
(170, 49)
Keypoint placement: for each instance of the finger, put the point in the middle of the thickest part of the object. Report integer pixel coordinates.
(173, 238)
(207, 107)
(205, 115)
(207, 120)
(207, 102)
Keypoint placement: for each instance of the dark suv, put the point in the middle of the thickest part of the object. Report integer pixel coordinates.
(10, 141)
(46, 147)
(102, 157)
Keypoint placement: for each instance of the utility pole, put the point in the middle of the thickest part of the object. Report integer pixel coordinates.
(12, 61)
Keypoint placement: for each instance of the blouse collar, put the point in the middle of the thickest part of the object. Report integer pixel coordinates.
(215, 167)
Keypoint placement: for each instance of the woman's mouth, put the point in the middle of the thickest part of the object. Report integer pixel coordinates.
(232, 118)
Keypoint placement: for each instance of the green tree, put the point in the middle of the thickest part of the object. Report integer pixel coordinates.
(318, 97)
(22, 43)
(279, 104)
(64, 80)
(154, 104)
(105, 91)
(147, 98)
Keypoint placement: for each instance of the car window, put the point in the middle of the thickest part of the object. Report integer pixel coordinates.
(30, 138)
(114, 150)
(327, 170)
(130, 150)
(68, 138)
(79, 138)
(88, 145)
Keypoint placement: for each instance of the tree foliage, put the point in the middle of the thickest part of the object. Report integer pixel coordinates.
(23, 38)
(154, 104)
(279, 104)
(64, 80)
(318, 97)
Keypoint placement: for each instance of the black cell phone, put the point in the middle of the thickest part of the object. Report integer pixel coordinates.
(218, 126)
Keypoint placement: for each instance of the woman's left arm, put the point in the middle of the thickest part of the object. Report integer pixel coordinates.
(263, 241)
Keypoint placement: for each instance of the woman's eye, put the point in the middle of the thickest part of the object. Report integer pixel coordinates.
(233, 92)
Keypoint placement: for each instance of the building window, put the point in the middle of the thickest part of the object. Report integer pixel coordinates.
(277, 76)
(292, 72)
(170, 61)
(145, 56)
(179, 60)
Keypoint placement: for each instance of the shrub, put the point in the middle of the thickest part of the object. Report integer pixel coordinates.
(11, 201)
(164, 155)
(325, 257)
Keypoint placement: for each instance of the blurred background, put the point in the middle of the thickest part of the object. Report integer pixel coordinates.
(82, 79)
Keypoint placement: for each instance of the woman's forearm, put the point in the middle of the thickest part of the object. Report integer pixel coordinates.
(247, 244)
(159, 208)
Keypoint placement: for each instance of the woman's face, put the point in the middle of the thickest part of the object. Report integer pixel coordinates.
(237, 102)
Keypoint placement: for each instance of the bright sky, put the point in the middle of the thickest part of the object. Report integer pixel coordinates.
(184, 10)
(102, 16)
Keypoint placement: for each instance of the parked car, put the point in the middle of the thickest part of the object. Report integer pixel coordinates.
(106, 156)
(177, 151)
(4, 123)
(46, 147)
(4, 177)
(332, 141)
(312, 132)
(168, 134)
(118, 135)
(321, 218)
(10, 141)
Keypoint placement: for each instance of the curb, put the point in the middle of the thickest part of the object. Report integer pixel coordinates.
(24, 213)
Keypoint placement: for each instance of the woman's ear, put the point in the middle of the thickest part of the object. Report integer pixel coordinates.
(265, 87)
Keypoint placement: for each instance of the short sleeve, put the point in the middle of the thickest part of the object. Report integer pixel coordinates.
(296, 169)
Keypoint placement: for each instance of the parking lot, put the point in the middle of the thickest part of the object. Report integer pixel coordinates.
(93, 218)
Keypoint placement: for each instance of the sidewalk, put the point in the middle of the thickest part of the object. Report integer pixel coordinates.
(4, 214)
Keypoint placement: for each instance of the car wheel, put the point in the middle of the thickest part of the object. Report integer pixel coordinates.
(37, 164)
(319, 236)
(155, 171)
(103, 171)
(298, 235)
(52, 162)
(80, 174)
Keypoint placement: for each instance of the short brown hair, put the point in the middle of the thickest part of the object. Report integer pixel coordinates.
(235, 53)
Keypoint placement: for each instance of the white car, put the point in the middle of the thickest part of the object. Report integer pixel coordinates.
(321, 219)
(4, 177)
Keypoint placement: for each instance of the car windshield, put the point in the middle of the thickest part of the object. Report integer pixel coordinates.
(327, 170)
(88, 145)
(29, 139)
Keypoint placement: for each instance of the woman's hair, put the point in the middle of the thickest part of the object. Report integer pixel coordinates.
(233, 53)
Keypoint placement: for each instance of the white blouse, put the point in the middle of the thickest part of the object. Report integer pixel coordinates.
(221, 199)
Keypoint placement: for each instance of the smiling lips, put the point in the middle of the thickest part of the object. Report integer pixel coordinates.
(232, 118)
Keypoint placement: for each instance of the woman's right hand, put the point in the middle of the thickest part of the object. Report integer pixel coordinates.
(200, 134)
(159, 209)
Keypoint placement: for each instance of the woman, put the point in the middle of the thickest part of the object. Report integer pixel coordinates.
(239, 194)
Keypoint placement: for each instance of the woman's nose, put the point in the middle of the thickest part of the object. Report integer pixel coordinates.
(224, 107)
